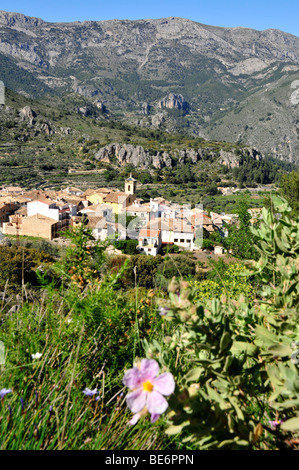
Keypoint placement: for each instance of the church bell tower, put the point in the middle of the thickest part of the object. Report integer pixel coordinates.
(130, 185)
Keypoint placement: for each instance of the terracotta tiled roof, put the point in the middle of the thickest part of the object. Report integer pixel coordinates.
(138, 209)
(117, 197)
(94, 221)
(40, 217)
(12, 189)
(46, 201)
(21, 211)
(144, 233)
(90, 192)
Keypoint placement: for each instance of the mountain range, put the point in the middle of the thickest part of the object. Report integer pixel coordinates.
(229, 84)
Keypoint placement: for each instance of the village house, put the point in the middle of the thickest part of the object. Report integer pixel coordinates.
(149, 241)
(217, 219)
(73, 191)
(202, 220)
(157, 206)
(174, 231)
(167, 235)
(96, 196)
(36, 225)
(7, 209)
(142, 212)
(183, 234)
(53, 210)
(138, 202)
(102, 229)
(98, 210)
(12, 190)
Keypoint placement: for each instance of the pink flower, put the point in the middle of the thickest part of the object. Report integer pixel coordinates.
(147, 390)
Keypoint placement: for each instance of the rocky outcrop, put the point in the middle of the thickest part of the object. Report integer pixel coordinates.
(131, 65)
(233, 159)
(100, 106)
(46, 129)
(19, 20)
(254, 153)
(146, 159)
(146, 109)
(66, 130)
(157, 120)
(173, 102)
(137, 156)
(84, 110)
(27, 113)
(87, 91)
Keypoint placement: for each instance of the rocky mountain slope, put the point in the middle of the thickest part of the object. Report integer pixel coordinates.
(233, 84)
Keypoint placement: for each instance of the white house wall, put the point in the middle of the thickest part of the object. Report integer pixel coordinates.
(38, 207)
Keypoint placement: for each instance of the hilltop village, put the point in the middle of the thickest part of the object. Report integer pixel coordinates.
(110, 214)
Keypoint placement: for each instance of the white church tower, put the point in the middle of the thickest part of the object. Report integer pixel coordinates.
(130, 185)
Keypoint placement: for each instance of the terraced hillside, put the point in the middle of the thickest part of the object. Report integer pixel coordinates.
(233, 84)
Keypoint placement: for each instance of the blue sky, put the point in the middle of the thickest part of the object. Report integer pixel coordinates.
(255, 14)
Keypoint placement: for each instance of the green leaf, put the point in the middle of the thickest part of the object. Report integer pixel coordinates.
(194, 374)
(274, 375)
(280, 350)
(214, 395)
(225, 341)
(172, 429)
(291, 424)
(289, 403)
(239, 347)
(265, 335)
(235, 404)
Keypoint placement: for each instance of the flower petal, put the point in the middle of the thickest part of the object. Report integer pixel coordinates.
(136, 400)
(156, 403)
(149, 368)
(154, 417)
(134, 419)
(4, 391)
(132, 378)
(164, 384)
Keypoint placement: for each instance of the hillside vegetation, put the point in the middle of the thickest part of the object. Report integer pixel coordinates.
(231, 84)
(71, 336)
(53, 146)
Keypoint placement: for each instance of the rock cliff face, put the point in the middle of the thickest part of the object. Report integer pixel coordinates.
(27, 113)
(145, 159)
(137, 156)
(234, 84)
(173, 102)
(19, 20)
(232, 159)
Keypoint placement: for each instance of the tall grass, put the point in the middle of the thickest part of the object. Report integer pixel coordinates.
(87, 338)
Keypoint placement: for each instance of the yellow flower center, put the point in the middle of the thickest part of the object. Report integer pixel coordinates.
(147, 386)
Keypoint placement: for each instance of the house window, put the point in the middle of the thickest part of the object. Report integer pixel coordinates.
(176, 239)
(149, 249)
(129, 188)
(182, 240)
